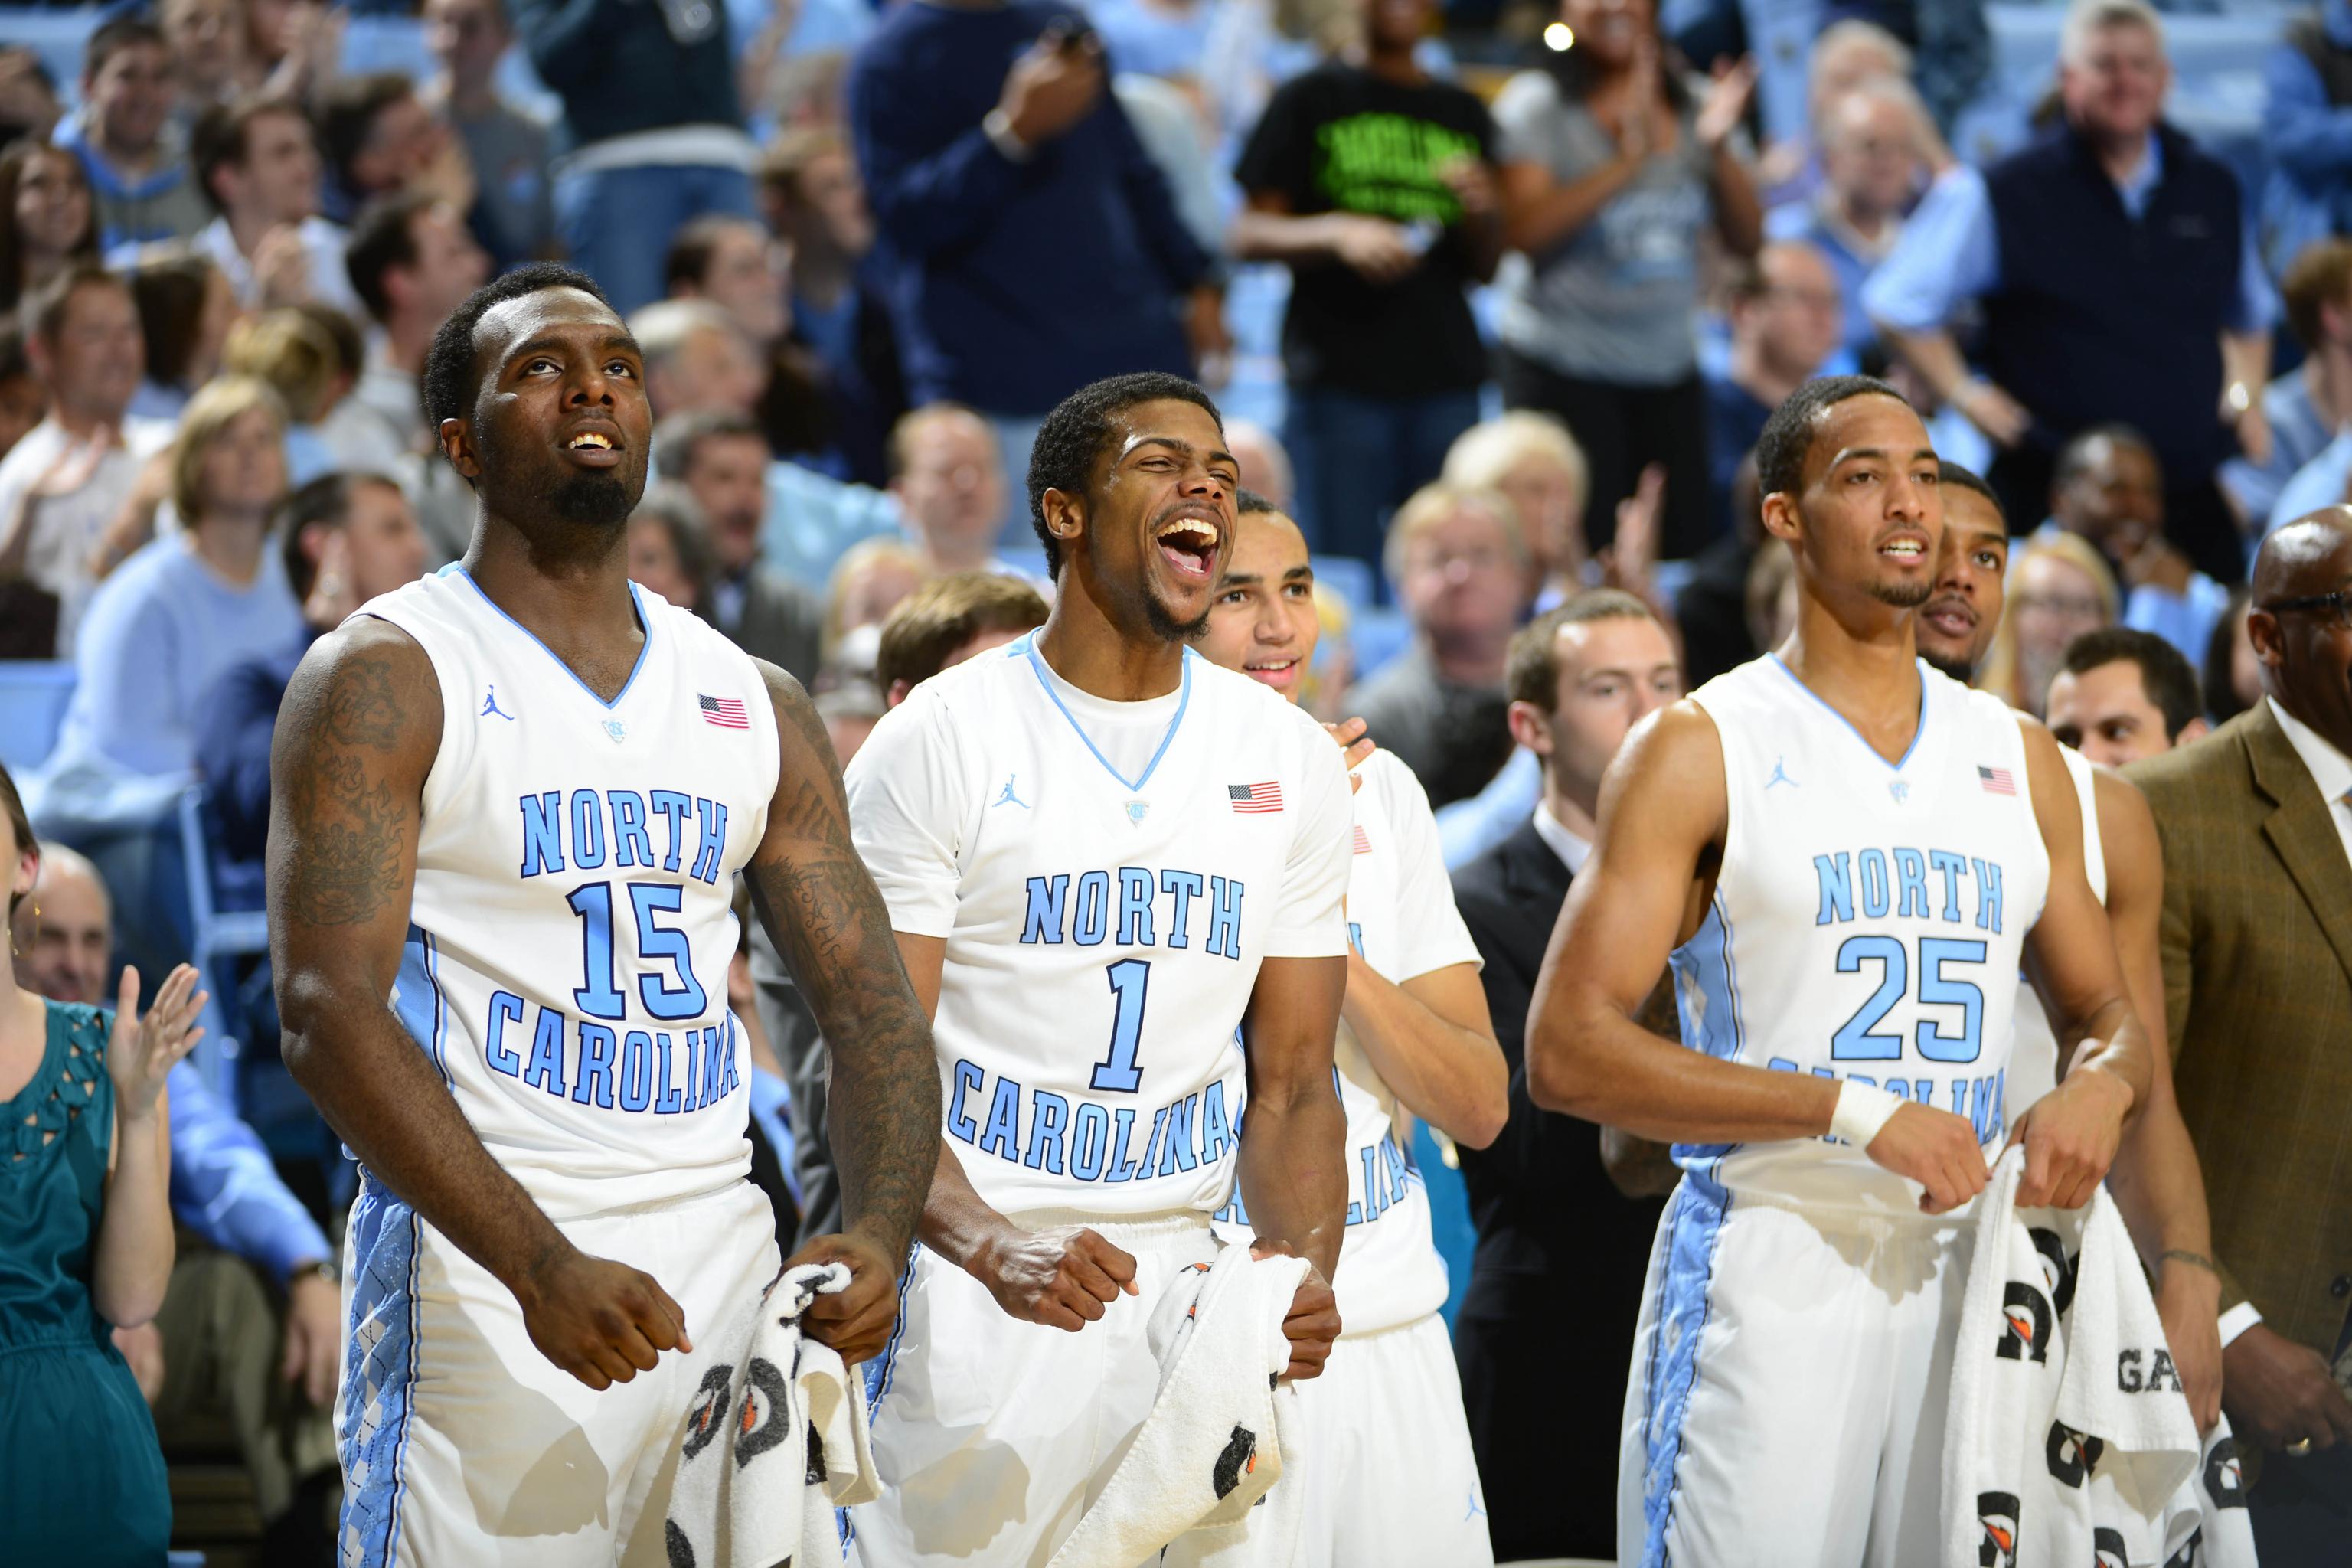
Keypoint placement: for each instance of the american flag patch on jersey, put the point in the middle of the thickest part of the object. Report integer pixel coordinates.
(1363, 842)
(1252, 799)
(1995, 781)
(727, 712)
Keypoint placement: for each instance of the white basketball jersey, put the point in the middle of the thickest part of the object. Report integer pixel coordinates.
(2033, 1064)
(1402, 922)
(571, 928)
(1106, 900)
(1868, 918)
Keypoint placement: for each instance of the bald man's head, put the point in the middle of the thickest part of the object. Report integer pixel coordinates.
(2301, 636)
(63, 934)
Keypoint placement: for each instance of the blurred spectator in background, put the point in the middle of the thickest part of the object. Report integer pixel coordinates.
(1263, 463)
(377, 138)
(720, 460)
(668, 548)
(1810, 53)
(2231, 674)
(2109, 490)
(250, 1330)
(1039, 245)
(257, 164)
(1875, 139)
(181, 612)
(508, 149)
(2122, 695)
(1785, 319)
(2059, 589)
(737, 265)
(948, 620)
(1532, 459)
(815, 202)
(185, 311)
(872, 579)
(697, 359)
(1460, 562)
(1375, 182)
(62, 485)
(1614, 168)
(342, 539)
(292, 46)
(947, 480)
(1546, 1325)
(2305, 407)
(131, 148)
(652, 134)
(2116, 275)
(2306, 125)
(46, 220)
(210, 43)
(411, 262)
(23, 401)
(312, 357)
(29, 110)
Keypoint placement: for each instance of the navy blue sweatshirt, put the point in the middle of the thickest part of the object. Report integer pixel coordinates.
(1013, 284)
(619, 72)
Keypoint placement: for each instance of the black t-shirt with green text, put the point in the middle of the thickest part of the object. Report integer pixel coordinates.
(1339, 139)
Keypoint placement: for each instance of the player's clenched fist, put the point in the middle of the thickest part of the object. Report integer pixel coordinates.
(1310, 1325)
(2070, 1136)
(601, 1321)
(856, 1321)
(1062, 1277)
(1935, 1148)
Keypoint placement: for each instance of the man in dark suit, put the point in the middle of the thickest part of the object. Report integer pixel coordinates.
(1547, 1326)
(2257, 942)
(723, 460)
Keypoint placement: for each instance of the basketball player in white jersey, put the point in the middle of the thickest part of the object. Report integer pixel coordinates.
(1415, 1040)
(2157, 1181)
(512, 798)
(1117, 872)
(1847, 857)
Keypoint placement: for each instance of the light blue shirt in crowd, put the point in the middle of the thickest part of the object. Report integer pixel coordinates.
(224, 1188)
(2185, 619)
(1468, 828)
(1950, 253)
(2318, 483)
(813, 519)
(2297, 434)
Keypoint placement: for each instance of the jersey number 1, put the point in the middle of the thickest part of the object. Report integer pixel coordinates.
(599, 994)
(1130, 979)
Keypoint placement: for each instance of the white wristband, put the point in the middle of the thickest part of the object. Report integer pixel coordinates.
(1863, 1109)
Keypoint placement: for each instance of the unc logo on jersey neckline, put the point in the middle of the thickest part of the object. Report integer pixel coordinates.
(614, 727)
(1135, 810)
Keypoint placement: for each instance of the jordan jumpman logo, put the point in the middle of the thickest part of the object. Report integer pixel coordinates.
(1009, 795)
(490, 706)
(1781, 775)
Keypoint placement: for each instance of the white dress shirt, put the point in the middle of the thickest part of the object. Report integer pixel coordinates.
(1572, 850)
(2330, 769)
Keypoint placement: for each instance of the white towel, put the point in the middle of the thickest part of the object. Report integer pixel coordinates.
(2068, 1440)
(776, 1440)
(1222, 1427)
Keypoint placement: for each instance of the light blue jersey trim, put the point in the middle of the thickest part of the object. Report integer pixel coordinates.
(1917, 734)
(1694, 1227)
(1027, 647)
(634, 671)
(379, 1391)
(883, 1369)
(422, 1007)
(1705, 967)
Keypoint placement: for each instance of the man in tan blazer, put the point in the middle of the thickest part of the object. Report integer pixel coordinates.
(2257, 941)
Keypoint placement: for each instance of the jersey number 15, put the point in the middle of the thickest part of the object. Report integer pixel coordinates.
(599, 994)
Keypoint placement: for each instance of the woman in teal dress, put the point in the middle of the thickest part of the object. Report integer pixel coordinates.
(84, 1247)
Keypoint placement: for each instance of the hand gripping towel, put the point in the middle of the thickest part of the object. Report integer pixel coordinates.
(1222, 1428)
(774, 1441)
(2068, 1440)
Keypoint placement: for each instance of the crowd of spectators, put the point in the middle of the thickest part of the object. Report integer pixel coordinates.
(1506, 300)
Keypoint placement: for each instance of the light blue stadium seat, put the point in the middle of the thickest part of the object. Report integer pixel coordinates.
(1354, 580)
(33, 696)
(214, 934)
(1377, 638)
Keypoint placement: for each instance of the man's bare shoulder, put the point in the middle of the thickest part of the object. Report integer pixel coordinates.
(367, 684)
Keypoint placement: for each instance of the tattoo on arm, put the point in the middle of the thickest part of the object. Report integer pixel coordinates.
(833, 928)
(345, 815)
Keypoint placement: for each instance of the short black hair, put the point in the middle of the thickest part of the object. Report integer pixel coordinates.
(452, 378)
(679, 437)
(112, 38)
(1788, 437)
(2075, 455)
(2163, 671)
(1249, 503)
(1951, 476)
(326, 499)
(1532, 662)
(348, 108)
(218, 137)
(383, 236)
(1071, 440)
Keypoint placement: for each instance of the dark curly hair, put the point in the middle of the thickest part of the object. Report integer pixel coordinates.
(452, 378)
(1071, 441)
(1788, 437)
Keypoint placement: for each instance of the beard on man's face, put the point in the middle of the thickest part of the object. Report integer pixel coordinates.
(1902, 593)
(598, 500)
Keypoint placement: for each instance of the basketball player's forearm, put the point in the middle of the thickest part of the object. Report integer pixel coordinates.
(1594, 1062)
(1294, 1174)
(1452, 1077)
(883, 1113)
(958, 1222)
(380, 1094)
(2111, 1042)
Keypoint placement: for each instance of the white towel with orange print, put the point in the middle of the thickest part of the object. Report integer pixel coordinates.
(775, 1441)
(1199, 1476)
